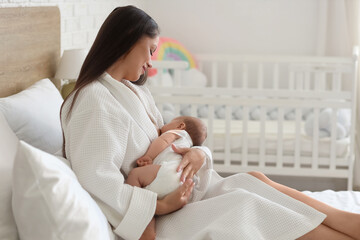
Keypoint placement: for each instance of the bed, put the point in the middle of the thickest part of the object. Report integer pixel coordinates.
(40, 195)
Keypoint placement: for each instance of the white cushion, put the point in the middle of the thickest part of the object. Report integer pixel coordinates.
(48, 201)
(33, 114)
(8, 147)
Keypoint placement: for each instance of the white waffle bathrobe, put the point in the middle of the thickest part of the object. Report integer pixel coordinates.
(112, 124)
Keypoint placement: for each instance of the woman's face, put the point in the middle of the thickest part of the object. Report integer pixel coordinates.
(134, 64)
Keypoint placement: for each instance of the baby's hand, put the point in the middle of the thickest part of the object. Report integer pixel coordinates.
(143, 161)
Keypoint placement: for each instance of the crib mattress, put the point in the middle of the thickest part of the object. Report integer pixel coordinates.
(271, 138)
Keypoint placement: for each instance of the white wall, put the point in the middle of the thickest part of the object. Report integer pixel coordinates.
(239, 26)
(80, 19)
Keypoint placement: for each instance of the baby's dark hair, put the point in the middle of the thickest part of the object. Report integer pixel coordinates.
(196, 129)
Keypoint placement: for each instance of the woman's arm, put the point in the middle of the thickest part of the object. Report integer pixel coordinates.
(176, 199)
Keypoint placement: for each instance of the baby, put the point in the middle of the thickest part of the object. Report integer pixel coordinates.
(157, 167)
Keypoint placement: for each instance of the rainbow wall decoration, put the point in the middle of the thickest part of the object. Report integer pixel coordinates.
(170, 49)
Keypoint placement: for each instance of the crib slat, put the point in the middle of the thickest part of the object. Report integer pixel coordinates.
(307, 81)
(228, 136)
(333, 140)
(214, 74)
(291, 80)
(315, 153)
(320, 81)
(336, 85)
(210, 132)
(245, 75)
(260, 74)
(299, 81)
(177, 109)
(276, 76)
(297, 140)
(244, 150)
(229, 75)
(177, 77)
(160, 78)
(279, 151)
(262, 137)
(193, 110)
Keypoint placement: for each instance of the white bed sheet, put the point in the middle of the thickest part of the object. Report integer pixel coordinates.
(344, 200)
(271, 139)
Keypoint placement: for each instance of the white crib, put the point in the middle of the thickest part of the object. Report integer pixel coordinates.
(275, 85)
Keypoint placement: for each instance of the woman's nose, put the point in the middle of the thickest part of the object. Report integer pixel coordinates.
(149, 64)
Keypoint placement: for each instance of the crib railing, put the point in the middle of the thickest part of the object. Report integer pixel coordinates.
(299, 83)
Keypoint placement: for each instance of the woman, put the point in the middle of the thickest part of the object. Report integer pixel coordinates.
(109, 121)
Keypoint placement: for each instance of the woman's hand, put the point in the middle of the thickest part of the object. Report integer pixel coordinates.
(193, 159)
(176, 199)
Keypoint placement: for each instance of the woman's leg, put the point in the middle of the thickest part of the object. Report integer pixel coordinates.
(324, 232)
(341, 221)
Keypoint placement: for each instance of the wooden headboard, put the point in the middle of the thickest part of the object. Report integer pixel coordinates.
(29, 46)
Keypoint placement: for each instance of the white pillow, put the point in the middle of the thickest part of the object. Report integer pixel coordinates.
(48, 201)
(33, 114)
(8, 147)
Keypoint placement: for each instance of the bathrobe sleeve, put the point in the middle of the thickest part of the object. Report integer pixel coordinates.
(97, 137)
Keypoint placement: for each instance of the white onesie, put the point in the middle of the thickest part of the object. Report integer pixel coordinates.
(167, 179)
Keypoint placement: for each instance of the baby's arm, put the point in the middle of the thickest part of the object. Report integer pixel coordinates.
(156, 147)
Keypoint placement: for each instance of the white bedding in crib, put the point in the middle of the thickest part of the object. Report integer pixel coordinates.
(271, 138)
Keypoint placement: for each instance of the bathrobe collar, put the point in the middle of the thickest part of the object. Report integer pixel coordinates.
(131, 101)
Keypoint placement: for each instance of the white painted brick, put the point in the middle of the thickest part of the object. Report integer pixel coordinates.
(62, 25)
(94, 9)
(66, 10)
(72, 25)
(99, 20)
(79, 39)
(81, 9)
(66, 40)
(91, 36)
(86, 22)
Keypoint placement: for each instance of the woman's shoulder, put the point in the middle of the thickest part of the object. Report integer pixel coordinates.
(94, 97)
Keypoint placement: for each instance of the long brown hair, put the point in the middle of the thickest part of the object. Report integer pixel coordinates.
(118, 34)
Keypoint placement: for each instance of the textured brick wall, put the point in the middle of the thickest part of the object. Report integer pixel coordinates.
(80, 19)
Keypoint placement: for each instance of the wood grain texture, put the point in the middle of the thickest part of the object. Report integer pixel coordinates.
(29, 46)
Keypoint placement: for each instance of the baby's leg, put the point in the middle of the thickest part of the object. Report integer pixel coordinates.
(142, 176)
(149, 232)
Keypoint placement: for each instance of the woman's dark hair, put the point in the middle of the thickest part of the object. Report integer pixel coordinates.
(118, 34)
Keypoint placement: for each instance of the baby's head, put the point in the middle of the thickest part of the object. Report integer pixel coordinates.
(193, 126)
